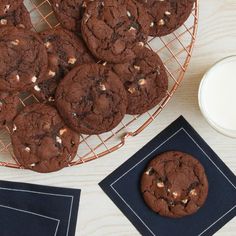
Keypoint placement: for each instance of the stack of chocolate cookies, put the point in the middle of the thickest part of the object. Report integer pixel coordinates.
(87, 73)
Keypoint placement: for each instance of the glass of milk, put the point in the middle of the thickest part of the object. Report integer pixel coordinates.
(217, 96)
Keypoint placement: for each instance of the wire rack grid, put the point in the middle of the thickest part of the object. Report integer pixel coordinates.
(175, 51)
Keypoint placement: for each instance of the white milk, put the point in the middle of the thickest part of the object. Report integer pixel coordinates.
(217, 96)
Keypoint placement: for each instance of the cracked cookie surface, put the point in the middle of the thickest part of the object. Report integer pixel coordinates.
(7, 6)
(144, 79)
(41, 140)
(20, 17)
(167, 15)
(69, 13)
(112, 28)
(174, 184)
(91, 99)
(23, 59)
(65, 51)
(8, 108)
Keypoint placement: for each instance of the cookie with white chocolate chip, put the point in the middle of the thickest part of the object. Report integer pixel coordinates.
(112, 28)
(23, 59)
(8, 6)
(20, 17)
(41, 140)
(167, 15)
(91, 99)
(174, 184)
(65, 51)
(144, 79)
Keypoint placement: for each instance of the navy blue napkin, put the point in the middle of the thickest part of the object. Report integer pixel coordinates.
(58, 203)
(122, 186)
(16, 222)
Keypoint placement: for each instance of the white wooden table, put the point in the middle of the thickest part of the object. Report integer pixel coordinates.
(98, 215)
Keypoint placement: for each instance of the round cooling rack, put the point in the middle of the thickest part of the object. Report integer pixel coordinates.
(175, 50)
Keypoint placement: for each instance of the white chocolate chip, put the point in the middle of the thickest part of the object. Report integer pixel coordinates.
(58, 139)
(184, 201)
(3, 21)
(21, 26)
(102, 87)
(62, 131)
(168, 190)
(36, 88)
(7, 7)
(84, 4)
(104, 63)
(141, 44)
(132, 90)
(167, 13)
(160, 185)
(149, 170)
(14, 128)
(193, 192)
(17, 78)
(15, 42)
(57, 5)
(72, 60)
(175, 194)
(47, 44)
(152, 24)
(128, 14)
(51, 99)
(34, 79)
(136, 67)
(161, 22)
(51, 73)
(132, 28)
(142, 82)
(33, 165)
(27, 149)
(86, 17)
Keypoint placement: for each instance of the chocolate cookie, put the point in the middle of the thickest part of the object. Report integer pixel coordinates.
(41, 141)
(7, 6)
(112, 28)
(65, 51)
(91, 99)
(69, 13)
(167, 15)
(8, 108)
(20, 17)
(23, 59)
(144, 79)
(174, 184)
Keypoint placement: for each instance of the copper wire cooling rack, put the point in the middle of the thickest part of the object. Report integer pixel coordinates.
(175, 51)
